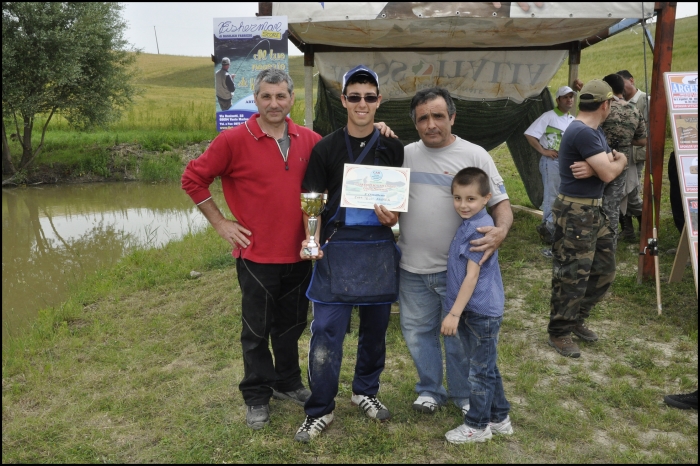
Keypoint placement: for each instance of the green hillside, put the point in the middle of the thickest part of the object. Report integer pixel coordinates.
(623, 51)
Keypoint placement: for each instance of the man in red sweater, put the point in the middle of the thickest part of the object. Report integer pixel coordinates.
(262, 164)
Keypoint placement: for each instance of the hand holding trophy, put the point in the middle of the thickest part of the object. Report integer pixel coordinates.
(312, 204)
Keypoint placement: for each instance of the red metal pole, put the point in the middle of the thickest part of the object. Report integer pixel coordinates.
(658, 111)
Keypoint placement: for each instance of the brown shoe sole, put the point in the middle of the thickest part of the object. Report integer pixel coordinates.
(568, 355)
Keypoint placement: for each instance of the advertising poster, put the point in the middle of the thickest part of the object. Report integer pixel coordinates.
(689, 171)
(685, 127)
(243, 47)
(682, 90)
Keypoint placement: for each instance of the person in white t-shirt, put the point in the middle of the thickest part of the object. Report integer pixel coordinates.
(544, 135)
(427, 230)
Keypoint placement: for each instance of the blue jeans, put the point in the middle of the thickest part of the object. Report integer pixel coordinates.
(421, 300)
(326, 352)
(487, 403)
(549, 169)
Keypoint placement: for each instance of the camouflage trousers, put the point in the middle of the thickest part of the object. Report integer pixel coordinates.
(612, 197)
(634, 198)
(583, 264)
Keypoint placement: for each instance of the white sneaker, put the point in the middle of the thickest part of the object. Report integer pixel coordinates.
(425, 404)
(466, 434)
(465, 409)
(312, 426)
(371, 406)
(502, 428)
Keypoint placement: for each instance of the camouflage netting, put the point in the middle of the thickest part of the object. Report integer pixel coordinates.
(487, 124)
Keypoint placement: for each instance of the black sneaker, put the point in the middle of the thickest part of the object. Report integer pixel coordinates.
(257, 417)
(298, 396)
(687, 401)
(312, 426)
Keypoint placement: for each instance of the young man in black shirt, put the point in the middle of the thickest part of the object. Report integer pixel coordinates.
(357, 263)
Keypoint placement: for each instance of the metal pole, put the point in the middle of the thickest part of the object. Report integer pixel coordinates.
(154, 32)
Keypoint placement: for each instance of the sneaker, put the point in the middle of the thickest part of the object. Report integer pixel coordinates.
(584, 333)
(425, 404)
(312, 426)
(371, 406)
(686, 401)
(547, 252)
(502, 428)
(465, 409)
(298, 396)
(544, 233)
(257, 417)
(565, 346)
(466, 434)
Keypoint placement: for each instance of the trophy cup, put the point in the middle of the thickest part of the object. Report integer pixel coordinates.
(312, 204)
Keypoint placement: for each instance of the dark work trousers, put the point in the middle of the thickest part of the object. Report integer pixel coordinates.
(274, 306)
(326, 352)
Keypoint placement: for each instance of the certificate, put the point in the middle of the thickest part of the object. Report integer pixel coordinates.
(366, 185)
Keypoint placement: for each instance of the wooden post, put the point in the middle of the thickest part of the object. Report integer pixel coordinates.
(658, 110)
(309, 87)
(264, 9)
(574, 62)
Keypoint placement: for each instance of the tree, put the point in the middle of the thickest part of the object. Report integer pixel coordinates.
(61, 58)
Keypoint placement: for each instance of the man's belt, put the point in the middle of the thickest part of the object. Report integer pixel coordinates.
(582, 200)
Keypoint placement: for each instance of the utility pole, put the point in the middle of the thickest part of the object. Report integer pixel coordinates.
(154, 32)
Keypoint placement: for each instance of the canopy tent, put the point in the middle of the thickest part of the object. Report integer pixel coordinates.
(495, 58)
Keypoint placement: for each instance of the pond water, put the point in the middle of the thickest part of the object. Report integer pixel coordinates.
(52, 236)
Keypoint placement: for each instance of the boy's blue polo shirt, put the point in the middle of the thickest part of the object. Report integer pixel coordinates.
(488, 297)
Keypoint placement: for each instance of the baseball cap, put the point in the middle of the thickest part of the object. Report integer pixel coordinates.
(596, 90)
(563, 91)
(360, 70)
(225, 61)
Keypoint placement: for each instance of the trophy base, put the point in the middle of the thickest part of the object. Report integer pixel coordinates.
(311, 251)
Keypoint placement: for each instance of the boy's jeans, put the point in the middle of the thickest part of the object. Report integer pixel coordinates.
(549, 168)
(487, 403)
(421, 299)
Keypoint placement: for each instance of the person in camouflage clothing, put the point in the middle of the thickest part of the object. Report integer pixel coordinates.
(623, 128)
(583, 262)
(638, 157)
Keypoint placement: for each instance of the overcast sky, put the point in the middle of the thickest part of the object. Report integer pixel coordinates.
(187, 28)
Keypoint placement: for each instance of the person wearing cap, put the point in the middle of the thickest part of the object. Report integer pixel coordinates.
(638, 156)
(583, 262)
(357, 264)
(224, 85)
(624, 128)
(427, 231)
(544, 135)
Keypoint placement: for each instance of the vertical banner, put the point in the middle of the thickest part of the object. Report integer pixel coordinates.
(243, 47)
(682, 96)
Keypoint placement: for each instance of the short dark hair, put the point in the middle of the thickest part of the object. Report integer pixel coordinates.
(361, 78)
(616, 83)
(625, 74)
(589, 106)
(472, 175)
(426, 95)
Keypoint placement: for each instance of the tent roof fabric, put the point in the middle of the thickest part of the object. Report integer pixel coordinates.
(416, 25)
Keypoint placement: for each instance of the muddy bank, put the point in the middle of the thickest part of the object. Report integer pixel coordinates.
(122, 164)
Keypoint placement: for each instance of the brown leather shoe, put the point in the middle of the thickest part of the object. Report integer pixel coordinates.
(584, 333)
(565, 346)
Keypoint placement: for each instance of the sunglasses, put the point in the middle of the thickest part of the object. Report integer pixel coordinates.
(354, 99)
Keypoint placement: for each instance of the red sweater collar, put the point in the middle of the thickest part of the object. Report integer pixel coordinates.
(257, 133)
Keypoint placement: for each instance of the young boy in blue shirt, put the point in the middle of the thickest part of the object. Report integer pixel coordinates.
(475, 298)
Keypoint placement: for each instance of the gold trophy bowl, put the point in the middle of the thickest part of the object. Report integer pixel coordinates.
(312, 204)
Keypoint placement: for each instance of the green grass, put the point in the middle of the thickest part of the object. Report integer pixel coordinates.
(142, 363)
